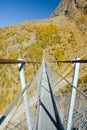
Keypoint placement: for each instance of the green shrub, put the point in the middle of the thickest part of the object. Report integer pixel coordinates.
(59, 54)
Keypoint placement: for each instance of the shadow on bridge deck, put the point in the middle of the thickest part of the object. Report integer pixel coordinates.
(47, 117)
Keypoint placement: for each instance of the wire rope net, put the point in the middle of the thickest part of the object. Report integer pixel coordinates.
(62, 84)
(15, 109)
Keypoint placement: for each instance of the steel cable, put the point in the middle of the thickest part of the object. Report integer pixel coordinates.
(4, 115)
(69, 61)
(73, 86)
(13, 61)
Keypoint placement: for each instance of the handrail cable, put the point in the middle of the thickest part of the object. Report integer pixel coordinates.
(69, 61)
(13, 61)
(73, 86)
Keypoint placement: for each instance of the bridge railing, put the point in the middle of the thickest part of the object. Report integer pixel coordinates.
(20, 96)
(17, 106)
(70, 112)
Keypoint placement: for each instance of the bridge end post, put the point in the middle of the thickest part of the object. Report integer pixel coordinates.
(25, 95)
(73, 94)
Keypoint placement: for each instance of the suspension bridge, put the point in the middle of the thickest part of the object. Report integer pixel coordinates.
(47, 116)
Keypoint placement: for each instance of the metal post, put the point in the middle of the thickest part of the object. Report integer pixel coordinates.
(25, 95)
(73, 94)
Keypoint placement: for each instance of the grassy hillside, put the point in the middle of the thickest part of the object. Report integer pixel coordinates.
(57, 38)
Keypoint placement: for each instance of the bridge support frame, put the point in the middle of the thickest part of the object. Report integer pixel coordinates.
(73, 94)
(25, 95)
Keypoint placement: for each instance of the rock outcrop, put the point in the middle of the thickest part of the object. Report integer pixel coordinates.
(67, 7)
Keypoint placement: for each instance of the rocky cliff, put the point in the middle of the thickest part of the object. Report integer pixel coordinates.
(67, 7)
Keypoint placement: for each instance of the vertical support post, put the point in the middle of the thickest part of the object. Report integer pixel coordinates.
(25, 95)
(73, 94)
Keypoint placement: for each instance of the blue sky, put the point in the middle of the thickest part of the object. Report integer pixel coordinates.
(15, 11)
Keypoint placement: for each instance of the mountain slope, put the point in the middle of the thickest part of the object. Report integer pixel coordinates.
(62, 37)
(30, 40)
